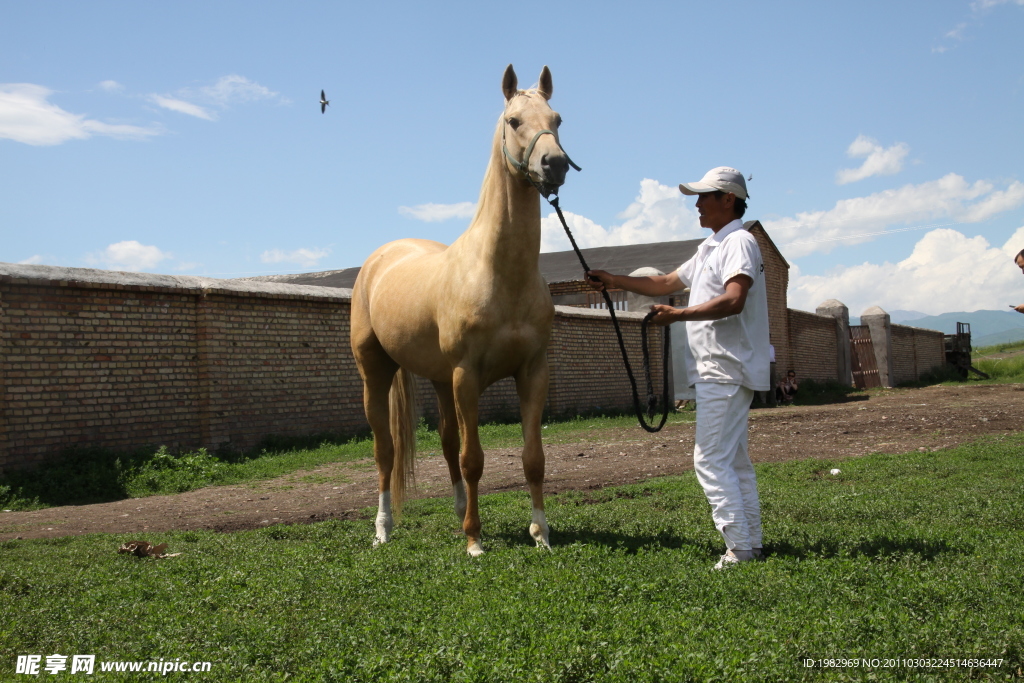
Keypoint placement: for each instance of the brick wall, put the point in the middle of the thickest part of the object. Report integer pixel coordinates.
(776, 277)
(915, 352)
(587, 373)
(96, 364)
(123, 360)
(812, 351)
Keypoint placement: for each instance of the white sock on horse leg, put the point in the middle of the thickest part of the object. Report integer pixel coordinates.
(384, 520)
(539, 529)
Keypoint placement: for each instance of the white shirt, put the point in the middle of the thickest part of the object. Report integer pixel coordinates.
(734, 349)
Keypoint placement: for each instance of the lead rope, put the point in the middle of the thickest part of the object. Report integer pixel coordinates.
(652, 399)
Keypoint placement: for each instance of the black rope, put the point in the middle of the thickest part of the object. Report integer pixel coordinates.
(652, 399)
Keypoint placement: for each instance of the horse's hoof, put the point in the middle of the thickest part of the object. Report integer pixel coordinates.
(383, 528)
(475, 549)
(540, 536)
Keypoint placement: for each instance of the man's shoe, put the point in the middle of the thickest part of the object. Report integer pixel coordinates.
(732, 558)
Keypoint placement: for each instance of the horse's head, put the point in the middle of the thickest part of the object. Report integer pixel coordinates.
(530, 134)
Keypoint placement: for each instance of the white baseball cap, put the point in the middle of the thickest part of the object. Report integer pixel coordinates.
(722, 178)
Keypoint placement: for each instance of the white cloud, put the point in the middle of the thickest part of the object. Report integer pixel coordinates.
(32, 260)
(27, 116)
(852, 221)
(434, 213)
(111, 86)
(878, 160)
(979, 5)
(658, 214)
(228, 90)
(234, 89)
(182, 107)
(947, 271)
(305, 258)
(958, 34)
(129, 255)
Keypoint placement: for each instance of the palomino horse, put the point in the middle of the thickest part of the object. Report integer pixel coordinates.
(464, 317)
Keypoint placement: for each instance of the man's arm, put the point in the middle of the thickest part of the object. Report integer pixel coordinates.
(649, 285)
(1019, 309)
(722, 306)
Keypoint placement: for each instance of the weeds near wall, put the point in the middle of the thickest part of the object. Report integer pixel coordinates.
(814, 392)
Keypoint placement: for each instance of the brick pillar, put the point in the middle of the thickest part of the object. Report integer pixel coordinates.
(880, 326)
(839, 311)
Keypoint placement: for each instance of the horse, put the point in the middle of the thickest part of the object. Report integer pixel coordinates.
(464, 316)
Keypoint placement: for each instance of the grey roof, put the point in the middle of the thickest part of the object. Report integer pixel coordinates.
(558, 266)
(563, 266)
(329, 278)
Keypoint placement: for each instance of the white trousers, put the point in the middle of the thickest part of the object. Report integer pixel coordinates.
(722, 463)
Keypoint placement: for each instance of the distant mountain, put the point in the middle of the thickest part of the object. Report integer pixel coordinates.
(1004, 337)
(987, 327)
(899, 317)
(983, 323)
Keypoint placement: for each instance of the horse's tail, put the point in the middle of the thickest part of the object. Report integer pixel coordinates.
(403, 414)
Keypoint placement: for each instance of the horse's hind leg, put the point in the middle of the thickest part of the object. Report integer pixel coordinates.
(378, 371)
(449, 432)
(532, 387)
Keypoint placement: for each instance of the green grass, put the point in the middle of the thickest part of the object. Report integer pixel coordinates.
(1002, 362)
(1006, 370)
(1009, 347)
(97, 475)
(1002, 369)
(899, 556)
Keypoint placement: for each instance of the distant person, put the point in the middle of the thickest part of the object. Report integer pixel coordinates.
(1019, 260)
(727, 330)
(787, 389)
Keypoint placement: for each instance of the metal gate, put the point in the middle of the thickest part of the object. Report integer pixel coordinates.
(862, 358)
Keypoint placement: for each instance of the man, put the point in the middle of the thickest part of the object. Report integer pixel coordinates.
(787, 389)
(727, 328)
(1019, 260)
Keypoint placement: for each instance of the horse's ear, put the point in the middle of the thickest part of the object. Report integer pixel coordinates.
(509, 83)
(545, 86)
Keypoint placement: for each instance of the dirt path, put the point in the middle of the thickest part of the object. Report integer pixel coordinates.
(893, 421)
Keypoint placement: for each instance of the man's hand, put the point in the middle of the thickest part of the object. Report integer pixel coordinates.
(1019, 309)
(666, 315)
(599, 280)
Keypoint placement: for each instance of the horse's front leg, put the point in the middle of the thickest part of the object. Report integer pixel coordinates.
(532, 387)
(466, 387)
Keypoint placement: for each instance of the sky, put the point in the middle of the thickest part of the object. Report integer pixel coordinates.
(884, 140)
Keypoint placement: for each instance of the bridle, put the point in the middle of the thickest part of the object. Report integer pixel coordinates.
(652, 399)
(523, 165)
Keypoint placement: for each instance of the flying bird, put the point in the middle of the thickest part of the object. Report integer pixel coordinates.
(323, 102)
(750, 177)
